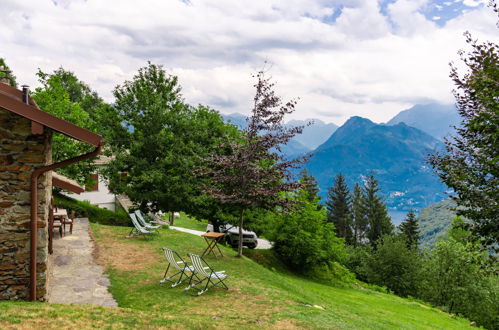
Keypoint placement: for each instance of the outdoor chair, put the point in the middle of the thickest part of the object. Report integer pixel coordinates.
(137, 229)
(69, 221)
(57, 224)
(175, 261)
(143, 222)
(207, 274)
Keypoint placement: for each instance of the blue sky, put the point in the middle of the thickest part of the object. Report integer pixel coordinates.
(341, 58)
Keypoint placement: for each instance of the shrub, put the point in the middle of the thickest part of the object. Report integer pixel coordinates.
(454, 279)
(303, 239)
(357, 259)
(92, 212)
(395, 266)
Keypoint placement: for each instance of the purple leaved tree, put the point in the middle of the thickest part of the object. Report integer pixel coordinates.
(251, 171)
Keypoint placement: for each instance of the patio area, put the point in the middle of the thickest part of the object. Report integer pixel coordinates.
(74, 277)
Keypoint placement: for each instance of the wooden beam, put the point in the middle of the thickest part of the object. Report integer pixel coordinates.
(10, 103)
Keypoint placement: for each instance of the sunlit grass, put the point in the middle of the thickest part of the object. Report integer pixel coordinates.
(186, 222)
(259, 296)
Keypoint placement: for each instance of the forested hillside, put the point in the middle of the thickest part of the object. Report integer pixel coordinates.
(435, 221)
(395, 154)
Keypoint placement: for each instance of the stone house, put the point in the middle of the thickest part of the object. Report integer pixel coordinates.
(26, 190)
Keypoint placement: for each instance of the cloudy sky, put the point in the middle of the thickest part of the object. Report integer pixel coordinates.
(370, 58)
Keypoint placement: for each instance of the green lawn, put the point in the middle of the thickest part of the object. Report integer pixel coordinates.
(258, 297)
(186, 222)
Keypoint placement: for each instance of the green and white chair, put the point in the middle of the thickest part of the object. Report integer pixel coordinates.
(207, 274)
(175, 261)
(137, 229)
(143, 222)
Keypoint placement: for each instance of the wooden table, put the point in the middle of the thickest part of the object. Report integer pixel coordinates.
(212, 240)
(60, 213)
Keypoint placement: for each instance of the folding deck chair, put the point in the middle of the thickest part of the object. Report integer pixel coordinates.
(143, 222)
(202, 273)
(176, 261)
(137, 228)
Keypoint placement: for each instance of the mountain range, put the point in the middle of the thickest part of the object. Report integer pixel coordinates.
(394, 152)
(310, 138)
(434, 119)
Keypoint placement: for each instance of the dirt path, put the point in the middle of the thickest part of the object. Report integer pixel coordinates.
(74, 277)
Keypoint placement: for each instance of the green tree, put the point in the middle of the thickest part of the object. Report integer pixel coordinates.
(470, 166)
(54, 98)
(6, 72)
(338, 208)
(360, 222)
(377, 216)
(303, 239)
(310, 184)
(161, 142)
(410, 230)
(454, 279)
(394, 265)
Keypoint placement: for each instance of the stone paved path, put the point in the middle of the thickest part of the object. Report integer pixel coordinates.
(75, 278)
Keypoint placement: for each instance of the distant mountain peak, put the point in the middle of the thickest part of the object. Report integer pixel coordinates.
(356, 120)
(311, 137)
(434, 119)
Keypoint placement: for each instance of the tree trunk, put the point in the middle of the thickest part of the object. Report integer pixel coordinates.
(240, 244)
(170, 220)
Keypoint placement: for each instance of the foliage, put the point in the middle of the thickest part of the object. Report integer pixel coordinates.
(66, 97)
(5, 72)
(434, 222)
(92, 212)
(360, 222)
(303, 239)
(410, 230)
(394, 265)
(338, 208)
(160, 142)
(310, 184)
(251, 172)
(470, 166)
(377, 216)
(454, 278)
(452, 275)
(357, 259)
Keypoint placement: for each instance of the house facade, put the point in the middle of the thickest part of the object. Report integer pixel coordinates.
(99, 194)
(21, 152)
(26, 190)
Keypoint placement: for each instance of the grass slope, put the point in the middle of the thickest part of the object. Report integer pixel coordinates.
(259, 297)
(186, 222)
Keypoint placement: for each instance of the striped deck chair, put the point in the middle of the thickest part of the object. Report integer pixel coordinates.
(137, 229)
(175, 261)
(143, 222)
(207, 274)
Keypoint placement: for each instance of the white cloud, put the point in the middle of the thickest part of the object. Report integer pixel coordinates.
(363, 64)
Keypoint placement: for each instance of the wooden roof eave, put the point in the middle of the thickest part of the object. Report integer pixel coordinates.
(9, 101)
(66, 183)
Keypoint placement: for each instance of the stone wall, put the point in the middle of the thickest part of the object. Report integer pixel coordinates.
(20, 153)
